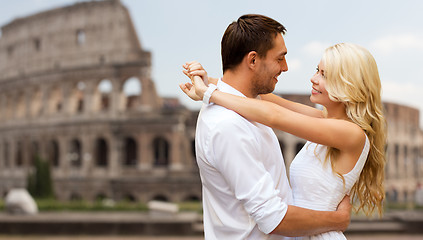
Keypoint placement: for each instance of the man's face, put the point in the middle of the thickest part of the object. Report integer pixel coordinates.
(270, 67)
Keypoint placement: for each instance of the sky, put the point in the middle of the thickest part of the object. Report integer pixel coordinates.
(179, 31)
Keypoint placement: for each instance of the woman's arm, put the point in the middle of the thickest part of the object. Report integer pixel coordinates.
(316, 129)
(293, 106)
(194, 68)
(319, 130)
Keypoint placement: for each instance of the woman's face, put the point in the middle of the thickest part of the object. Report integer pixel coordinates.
(319, 94)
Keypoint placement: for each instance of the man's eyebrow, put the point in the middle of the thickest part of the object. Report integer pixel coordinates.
(283, 53)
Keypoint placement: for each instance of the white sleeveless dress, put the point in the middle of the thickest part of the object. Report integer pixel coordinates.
(315, 186)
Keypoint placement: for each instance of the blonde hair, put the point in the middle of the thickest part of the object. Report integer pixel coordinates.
(352, 78)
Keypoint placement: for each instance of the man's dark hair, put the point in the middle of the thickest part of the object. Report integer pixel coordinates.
(251, 32)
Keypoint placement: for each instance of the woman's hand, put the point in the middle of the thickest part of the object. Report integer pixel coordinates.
(199, 79)
(189, 90)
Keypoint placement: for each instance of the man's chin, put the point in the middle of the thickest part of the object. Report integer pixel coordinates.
(266, 91)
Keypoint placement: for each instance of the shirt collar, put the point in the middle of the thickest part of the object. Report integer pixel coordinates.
(224, 87)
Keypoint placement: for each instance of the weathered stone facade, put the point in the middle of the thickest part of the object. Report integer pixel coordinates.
(404, 151)
(64, 80)
(62, 96)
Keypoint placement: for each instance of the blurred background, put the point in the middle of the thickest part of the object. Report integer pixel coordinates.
(97, 139)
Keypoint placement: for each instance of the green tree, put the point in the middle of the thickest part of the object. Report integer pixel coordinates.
(39, 182)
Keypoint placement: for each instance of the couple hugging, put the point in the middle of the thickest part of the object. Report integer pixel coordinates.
(246, 193)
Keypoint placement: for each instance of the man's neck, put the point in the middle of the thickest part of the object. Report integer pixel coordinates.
(239, 81)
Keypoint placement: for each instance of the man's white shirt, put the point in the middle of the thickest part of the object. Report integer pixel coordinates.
(245, 188)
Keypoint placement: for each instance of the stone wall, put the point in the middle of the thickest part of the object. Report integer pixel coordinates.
(67, 94)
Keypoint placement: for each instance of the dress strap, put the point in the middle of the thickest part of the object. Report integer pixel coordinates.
(362, 159)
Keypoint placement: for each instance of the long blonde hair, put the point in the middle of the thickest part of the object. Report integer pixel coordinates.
(352, 78)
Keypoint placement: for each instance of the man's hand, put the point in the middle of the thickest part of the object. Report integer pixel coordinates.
(344, 211)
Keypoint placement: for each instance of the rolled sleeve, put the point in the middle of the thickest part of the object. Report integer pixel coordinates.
(238, 158)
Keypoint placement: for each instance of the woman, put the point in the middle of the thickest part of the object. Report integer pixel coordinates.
(345, 149)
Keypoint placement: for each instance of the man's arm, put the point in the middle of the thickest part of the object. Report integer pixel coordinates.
(305, 222)
(237, 156)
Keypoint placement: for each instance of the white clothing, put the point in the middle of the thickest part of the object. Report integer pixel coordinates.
(245, 188)
(316, 186)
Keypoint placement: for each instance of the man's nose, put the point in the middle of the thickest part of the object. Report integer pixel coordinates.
(284, 66)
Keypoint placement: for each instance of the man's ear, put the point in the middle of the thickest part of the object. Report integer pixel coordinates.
(252, 58)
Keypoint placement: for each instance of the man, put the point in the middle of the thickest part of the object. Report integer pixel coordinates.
(246, 193)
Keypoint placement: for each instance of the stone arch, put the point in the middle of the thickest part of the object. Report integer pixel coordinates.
(75, 153)
(53, 153)
(55, 100)
(9, 107)
(161, 151)
(34, 152)
(388, 196)
(101, 153)
(131, 91)
(75, 196)
(20, 105)
(80, 37)
(36, 103)
(416, 162)
(129, 197)
(406, 159)
(76, 100)
(131, 152)
(160, 197)
(394, 195)
(5, 192)
(19, 154)
(102, 96)
(396, 159)
(37, 44)
(192, 198)
(2, 106)
(387, 165)
(10, 51)
(6, 154)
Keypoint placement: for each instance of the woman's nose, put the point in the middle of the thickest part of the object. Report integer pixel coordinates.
(314, 80)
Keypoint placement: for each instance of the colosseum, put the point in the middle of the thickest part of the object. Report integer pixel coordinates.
(78, 92)
(64, 96)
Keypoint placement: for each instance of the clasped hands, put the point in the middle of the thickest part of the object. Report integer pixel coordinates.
(199, 80)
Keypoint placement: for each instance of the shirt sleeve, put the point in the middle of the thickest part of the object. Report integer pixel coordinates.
(236, 154)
